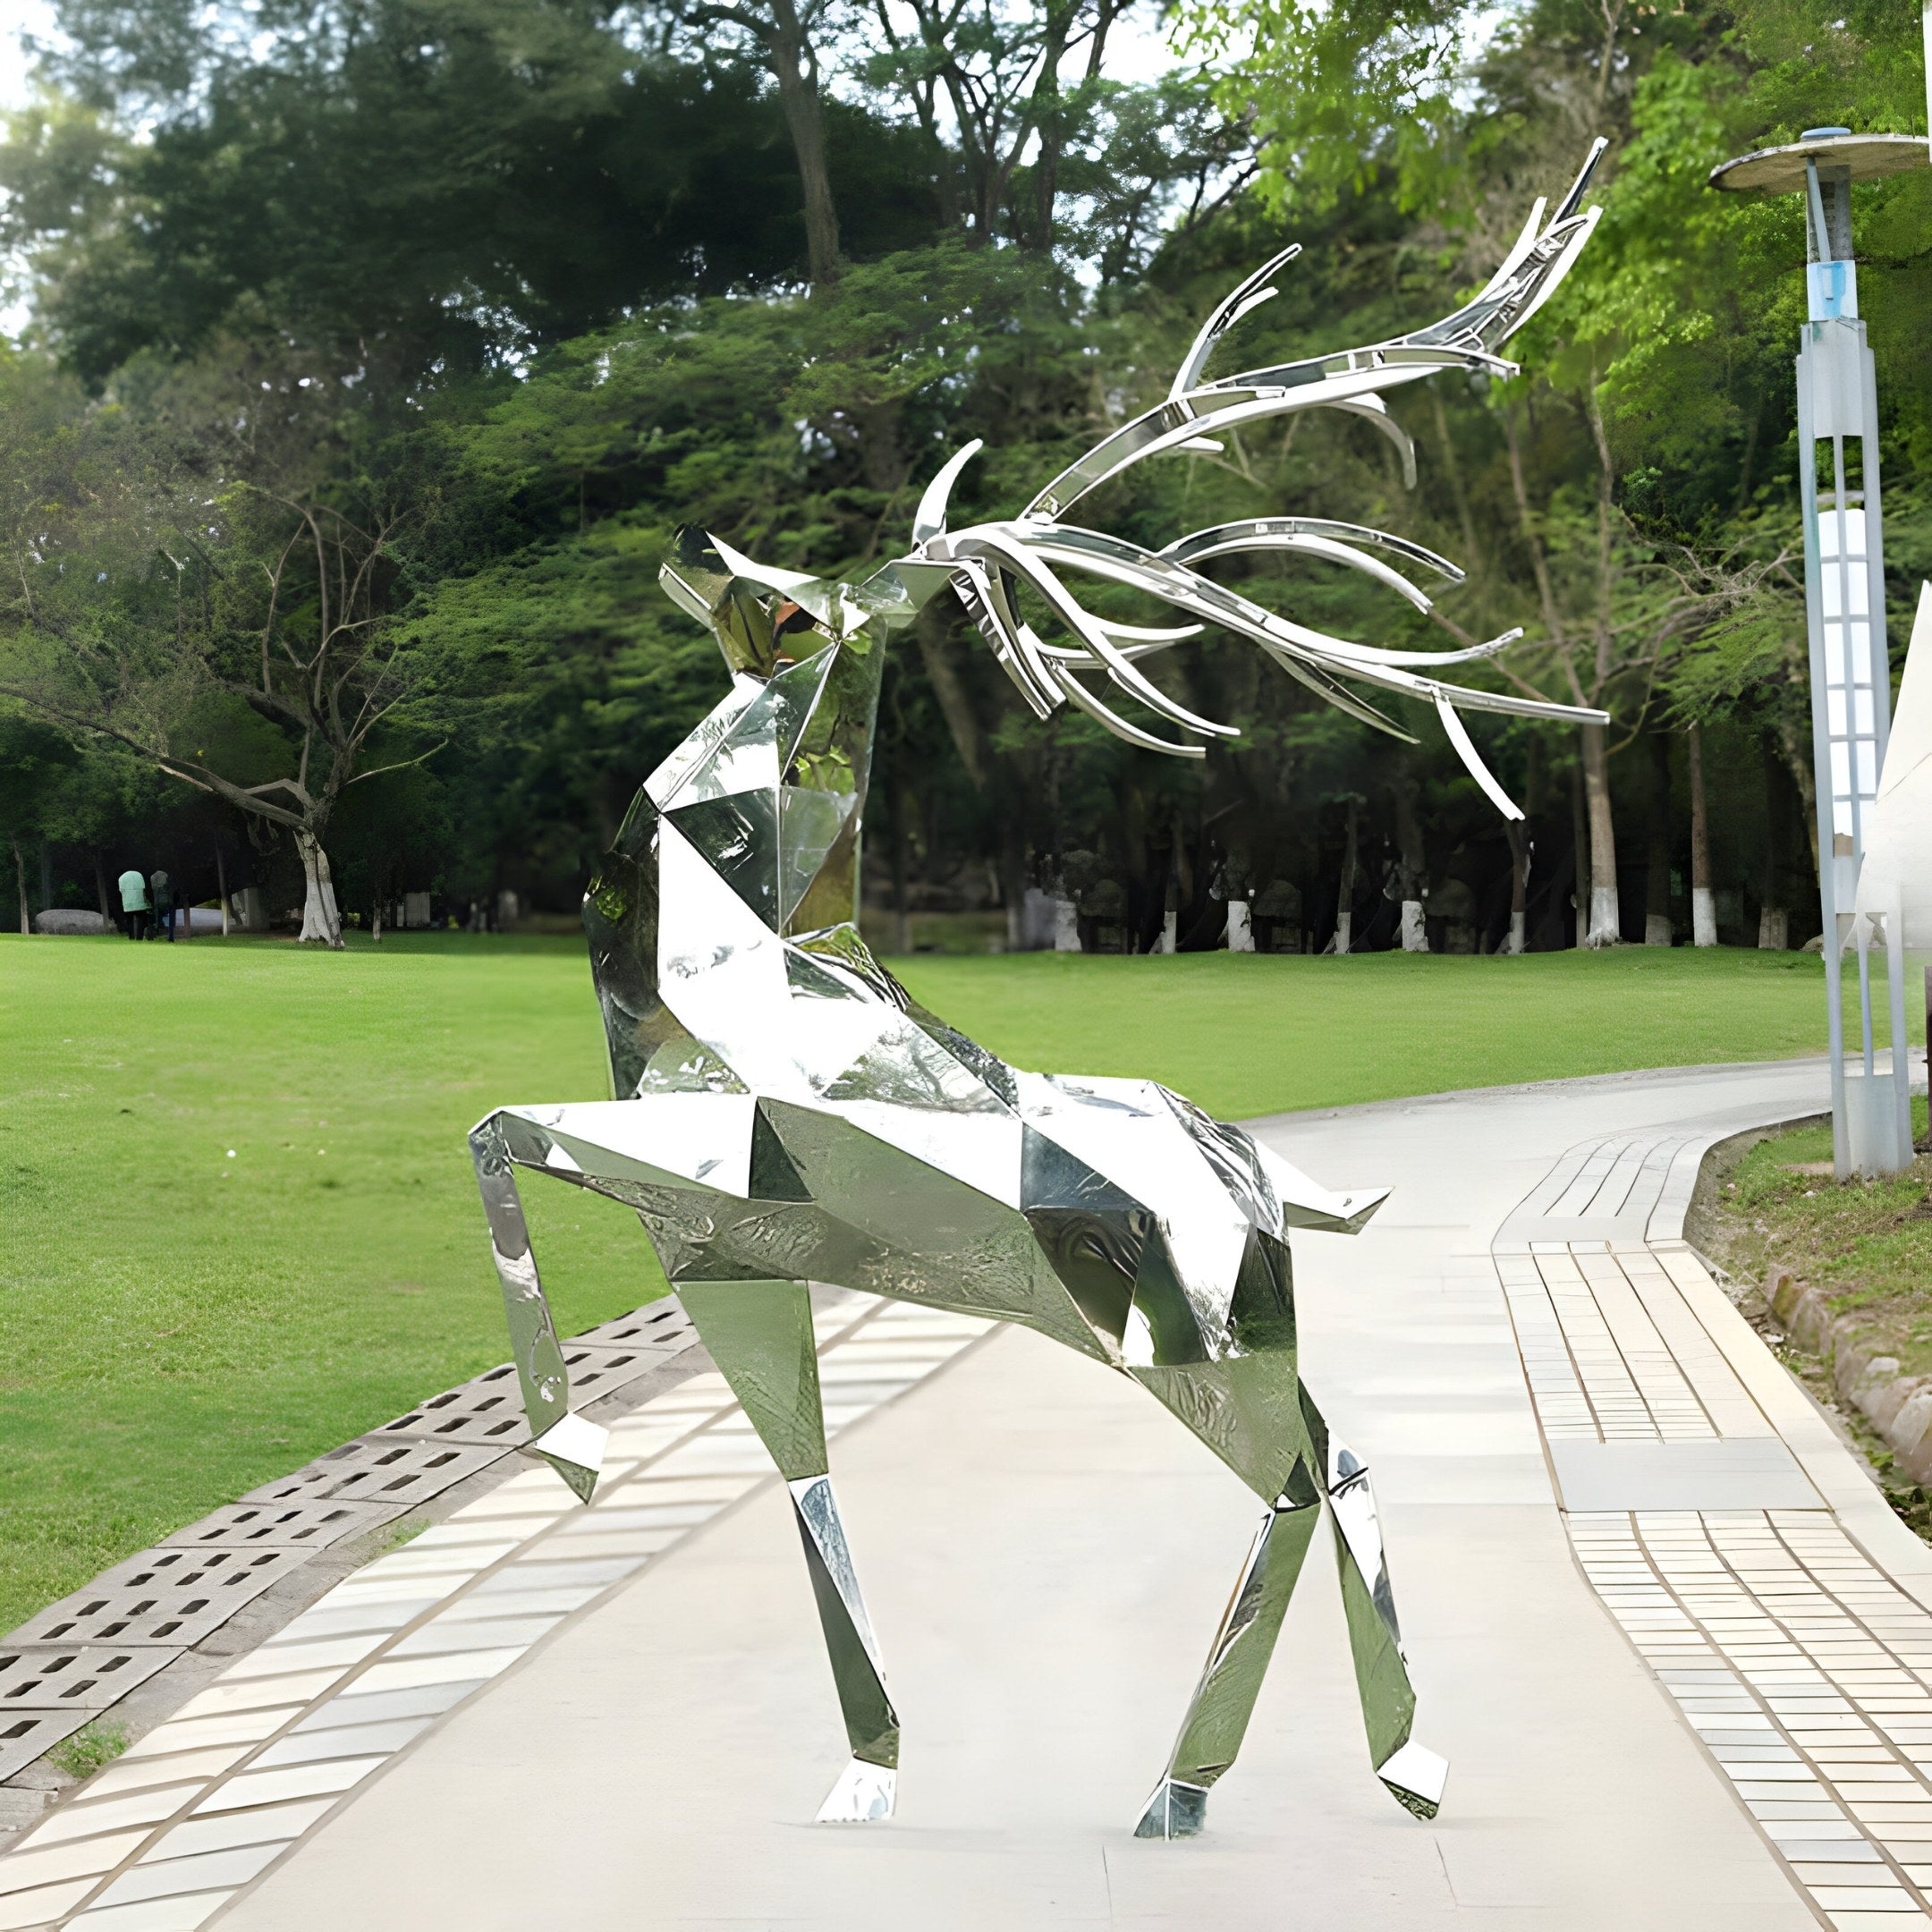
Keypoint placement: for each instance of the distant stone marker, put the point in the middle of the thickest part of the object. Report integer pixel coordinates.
(70, 920)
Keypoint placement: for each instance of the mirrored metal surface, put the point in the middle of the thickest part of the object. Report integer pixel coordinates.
(785, 1112)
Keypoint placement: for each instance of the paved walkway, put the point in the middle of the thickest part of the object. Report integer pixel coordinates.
(1676, 1644)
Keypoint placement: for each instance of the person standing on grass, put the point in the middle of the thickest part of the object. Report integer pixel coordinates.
(163, 894)
(134, 903)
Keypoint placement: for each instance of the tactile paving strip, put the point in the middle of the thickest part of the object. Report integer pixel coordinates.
(1805, 1671)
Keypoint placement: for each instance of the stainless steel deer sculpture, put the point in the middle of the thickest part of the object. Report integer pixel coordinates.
(788, 1114)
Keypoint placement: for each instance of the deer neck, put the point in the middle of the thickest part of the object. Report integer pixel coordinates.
(750, 834)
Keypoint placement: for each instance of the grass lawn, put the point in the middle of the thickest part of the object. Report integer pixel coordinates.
(237, 1224)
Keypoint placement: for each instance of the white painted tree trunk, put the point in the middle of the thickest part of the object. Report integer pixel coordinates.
(1066, 927)
(1703, 916)
(1240, 927)
(1657, 929)
(321, 922)
(1605, 921)
(1344, 931)
(1518, 941)
(1774, 929)
(1414, 931)
(1170, 932)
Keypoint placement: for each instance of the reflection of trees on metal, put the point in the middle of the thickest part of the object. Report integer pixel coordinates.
(786, 1113)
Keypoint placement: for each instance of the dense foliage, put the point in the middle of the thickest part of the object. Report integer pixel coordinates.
(429, 320)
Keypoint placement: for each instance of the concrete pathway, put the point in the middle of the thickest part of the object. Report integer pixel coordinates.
(1676, 1644)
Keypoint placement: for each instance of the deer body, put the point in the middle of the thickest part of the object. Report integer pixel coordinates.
(790, 1115)
(785, 1112)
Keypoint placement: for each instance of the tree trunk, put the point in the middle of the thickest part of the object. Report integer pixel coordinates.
(1580, 865)
(1703, 906)
(1046, 185)
(955, 703)
(20, 880)
(1012, 885)
(100, 887)
(1518, 836)
(1773, 915)
(794, 66)
(1794, 740)
(1657, 929)
(1452, 470)
(321, 922)
(1345, 923)
(902, 927)
(1411, 868)
(221, 884)
(1605, 929)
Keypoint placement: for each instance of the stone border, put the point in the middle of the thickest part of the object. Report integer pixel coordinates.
(636, 1358)
(1897, 1407)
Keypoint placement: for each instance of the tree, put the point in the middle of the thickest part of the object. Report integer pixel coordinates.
(998, 77)
(239, 640)
(781, 37)
(34, 764)
(415, 189)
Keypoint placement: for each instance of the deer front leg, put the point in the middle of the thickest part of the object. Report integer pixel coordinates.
(1224, 1699)
(760, 1334)
(1415, 1776)
(573, 1446)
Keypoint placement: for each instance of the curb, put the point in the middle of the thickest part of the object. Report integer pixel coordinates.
(1899, 1407)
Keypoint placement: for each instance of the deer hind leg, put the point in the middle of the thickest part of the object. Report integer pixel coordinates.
(760, 1334)
(1224, 1699)
(572, 1446)
(1415, 1776)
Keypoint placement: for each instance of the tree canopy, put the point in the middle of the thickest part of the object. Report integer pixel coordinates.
(467, 306)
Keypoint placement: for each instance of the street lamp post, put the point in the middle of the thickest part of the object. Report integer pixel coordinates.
(1844, 606)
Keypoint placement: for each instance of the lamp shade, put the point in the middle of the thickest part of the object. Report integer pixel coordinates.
(1782, 170)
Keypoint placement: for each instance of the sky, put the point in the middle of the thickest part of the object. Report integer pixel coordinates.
(33, 15)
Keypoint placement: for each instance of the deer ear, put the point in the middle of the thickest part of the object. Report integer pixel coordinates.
(929, 520)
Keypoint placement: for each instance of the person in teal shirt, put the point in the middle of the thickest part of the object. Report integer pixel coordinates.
(134, 903)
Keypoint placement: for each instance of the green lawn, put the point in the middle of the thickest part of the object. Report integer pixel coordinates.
(183, 1322)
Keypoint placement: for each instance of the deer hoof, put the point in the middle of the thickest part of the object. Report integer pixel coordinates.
(1176, 1810)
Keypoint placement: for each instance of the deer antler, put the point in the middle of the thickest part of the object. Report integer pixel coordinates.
(989, 560)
